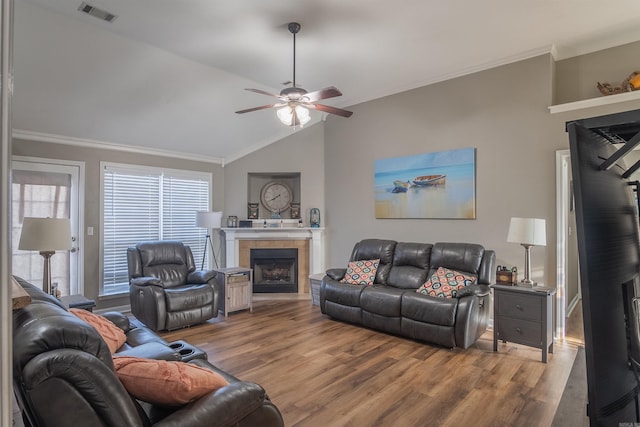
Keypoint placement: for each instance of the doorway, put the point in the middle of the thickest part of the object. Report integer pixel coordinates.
(569, 293)
(48, 188)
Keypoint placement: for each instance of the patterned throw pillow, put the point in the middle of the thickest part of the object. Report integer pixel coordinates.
(361, 272)
(444, 283)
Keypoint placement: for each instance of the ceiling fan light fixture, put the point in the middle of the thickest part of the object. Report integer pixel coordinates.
(293, 115)
(294, 101)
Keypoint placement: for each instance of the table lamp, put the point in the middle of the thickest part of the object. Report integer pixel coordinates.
(208, 220)
(528, 232)
(46, 235)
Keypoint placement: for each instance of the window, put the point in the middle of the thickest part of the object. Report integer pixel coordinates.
(142, 203)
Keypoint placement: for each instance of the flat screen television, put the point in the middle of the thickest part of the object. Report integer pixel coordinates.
(609, 256)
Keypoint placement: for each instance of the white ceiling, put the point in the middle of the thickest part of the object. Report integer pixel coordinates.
(169, 74)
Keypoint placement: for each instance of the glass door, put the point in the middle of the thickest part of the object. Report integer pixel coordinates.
(45, 188)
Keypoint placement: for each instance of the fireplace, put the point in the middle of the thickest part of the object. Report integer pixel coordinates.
(275, 270)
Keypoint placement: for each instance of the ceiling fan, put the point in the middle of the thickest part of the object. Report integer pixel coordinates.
(295, 102)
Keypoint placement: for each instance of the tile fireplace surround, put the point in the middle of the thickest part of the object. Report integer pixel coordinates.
(308, 241)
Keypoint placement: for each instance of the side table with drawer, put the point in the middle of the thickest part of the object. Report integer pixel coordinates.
(236, 284)
(524, 316)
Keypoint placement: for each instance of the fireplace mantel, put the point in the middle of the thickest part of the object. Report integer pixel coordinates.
(314, 235)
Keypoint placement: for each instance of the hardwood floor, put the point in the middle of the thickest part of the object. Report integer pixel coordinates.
(572, 410)
(321, 372)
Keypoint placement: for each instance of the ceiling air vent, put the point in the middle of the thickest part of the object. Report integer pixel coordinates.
(98, 13)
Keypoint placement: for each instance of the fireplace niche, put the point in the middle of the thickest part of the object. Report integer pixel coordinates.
(275, 270)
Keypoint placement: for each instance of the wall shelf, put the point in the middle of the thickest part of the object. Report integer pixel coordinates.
(595, 102)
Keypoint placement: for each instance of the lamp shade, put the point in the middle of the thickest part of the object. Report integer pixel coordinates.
(527, 231)
(206, 219)
(45, 234)
(293, 115)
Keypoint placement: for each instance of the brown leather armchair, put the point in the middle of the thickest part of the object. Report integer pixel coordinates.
(165, 290)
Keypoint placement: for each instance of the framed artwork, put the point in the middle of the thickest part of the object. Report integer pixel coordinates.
(439, 185)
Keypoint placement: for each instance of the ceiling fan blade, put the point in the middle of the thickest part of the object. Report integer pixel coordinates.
(262, 92)
(262, 107)
(330, 110)
(318, 95)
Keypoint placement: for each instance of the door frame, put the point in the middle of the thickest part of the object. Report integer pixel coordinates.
(77, 205)
(563, 200)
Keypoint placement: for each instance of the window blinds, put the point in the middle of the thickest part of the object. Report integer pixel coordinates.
(148, 204)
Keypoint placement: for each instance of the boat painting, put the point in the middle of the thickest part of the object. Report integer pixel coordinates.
(425, 180)
(435, 185)
(400, 186)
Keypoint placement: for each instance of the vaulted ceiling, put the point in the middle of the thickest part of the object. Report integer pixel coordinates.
(168, 75)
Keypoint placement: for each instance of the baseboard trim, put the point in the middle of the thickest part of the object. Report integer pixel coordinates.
(572, 305)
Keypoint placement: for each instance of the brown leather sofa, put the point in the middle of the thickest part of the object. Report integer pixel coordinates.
(392, 304)
(165, 289)
(64, 376)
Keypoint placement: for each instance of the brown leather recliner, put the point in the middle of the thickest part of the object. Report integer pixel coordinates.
(165, 290)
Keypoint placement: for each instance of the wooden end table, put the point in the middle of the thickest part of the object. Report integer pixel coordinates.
(236, 284)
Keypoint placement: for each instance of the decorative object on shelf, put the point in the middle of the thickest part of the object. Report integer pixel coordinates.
(314, 218)
(295, 210)
(232, 221)
(46, 235)
(276, 197)
(295, 102)
(506, 276)
(210, 221)
(245, 223)
(528, 232)
(629, 84)
(252, 210)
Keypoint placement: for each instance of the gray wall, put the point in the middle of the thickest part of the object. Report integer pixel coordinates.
(515, 139)
(502, 112)
(302, 152)
(92, 158)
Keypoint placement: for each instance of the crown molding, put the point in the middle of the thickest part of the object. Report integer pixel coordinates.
(547, 50)
(91, 143)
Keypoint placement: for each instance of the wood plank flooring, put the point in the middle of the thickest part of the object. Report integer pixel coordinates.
(321, 372)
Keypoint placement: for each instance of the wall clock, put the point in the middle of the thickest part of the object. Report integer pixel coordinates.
(276, 197)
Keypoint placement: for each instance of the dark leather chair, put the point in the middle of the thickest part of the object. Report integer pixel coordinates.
(166, 291)
(64, 375)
